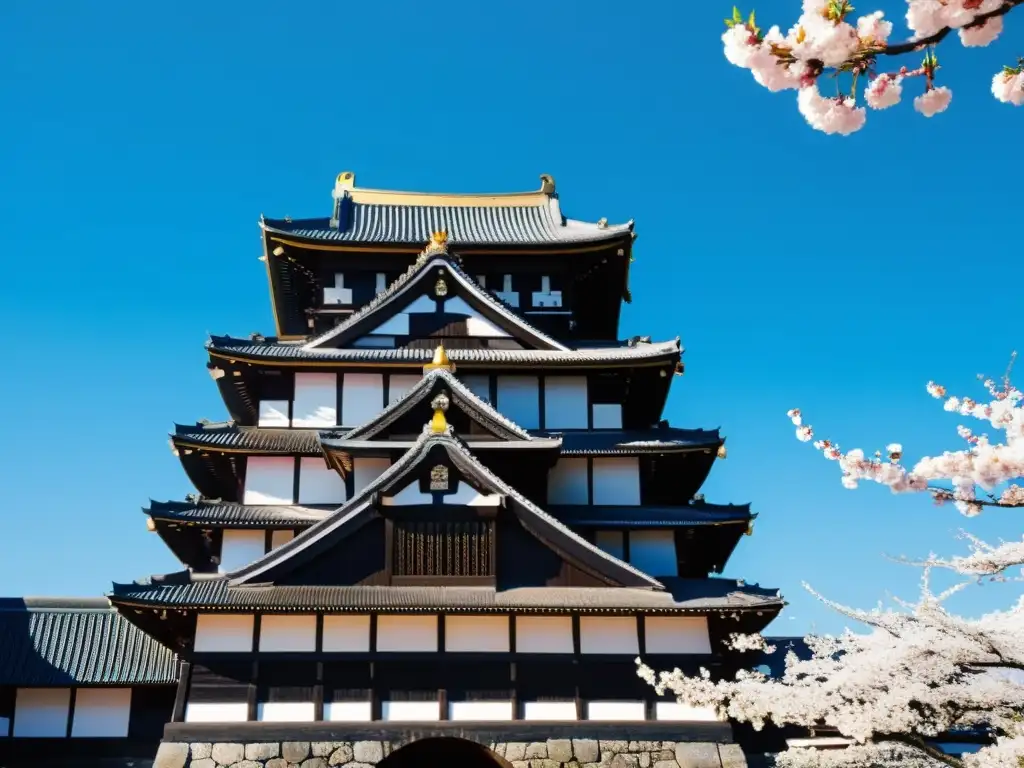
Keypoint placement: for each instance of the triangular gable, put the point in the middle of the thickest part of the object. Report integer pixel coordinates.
(434, 298)
(415, 408)
(465, 478)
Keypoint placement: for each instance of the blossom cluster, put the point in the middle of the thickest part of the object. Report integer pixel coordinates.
(983, 464)
(824, 38)
(919, 673)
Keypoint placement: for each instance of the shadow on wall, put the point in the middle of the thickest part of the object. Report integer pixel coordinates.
(443, 751)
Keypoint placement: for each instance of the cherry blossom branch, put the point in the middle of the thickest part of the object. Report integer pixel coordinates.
(909, 46)
(921, 744)
(823, 41)
(984, 560)
(983, 464)
(916, 742)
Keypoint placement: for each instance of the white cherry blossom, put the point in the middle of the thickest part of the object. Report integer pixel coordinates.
(933, 101)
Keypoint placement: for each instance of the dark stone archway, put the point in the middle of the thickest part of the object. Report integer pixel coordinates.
(443, 751)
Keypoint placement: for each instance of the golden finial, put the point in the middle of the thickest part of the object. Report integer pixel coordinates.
(440, 361)
(150, 525)
(439, 424)
(439, 239)
(722, 453)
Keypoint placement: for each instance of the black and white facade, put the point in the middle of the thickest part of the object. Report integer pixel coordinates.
(443, 503)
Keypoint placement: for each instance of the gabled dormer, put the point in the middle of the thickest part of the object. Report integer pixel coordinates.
(435, 299)
(439, 516)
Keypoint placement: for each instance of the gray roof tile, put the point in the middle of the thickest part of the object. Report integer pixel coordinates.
(226, 435)
(694, 514)
(476, 225)
(55, 641)
(288, 351)
(683, 596)
(231, 515)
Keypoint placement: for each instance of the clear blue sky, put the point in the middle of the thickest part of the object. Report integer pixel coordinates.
(141, 142)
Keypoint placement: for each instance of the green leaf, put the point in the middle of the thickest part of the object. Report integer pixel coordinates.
(730, 23)
(737, 17)
(751, 22)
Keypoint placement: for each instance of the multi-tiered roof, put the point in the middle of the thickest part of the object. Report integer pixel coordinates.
(445, 423)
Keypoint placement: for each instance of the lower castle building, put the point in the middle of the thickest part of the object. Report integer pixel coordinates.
(443, 519)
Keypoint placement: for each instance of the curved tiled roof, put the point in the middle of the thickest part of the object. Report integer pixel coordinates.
(227, 436)
(230, 514)
(465, 224)
(696, 596)
(460, 393)
(74, 641)
(273, 350)
(416, 274)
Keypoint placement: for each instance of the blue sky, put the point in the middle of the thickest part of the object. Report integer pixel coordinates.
(142, 142)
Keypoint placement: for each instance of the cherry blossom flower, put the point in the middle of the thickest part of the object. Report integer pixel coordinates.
(830, 115)
(1008, 87)
(933, 101)
(824, 42)
(982, 34)
(885, 91)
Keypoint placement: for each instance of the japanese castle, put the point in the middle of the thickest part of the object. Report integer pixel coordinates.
(441, 522)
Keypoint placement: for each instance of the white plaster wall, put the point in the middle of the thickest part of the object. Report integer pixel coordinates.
(362, 398)
(478, 385)
(549, 710)
(273, 413)
(239, 548)
(654, 552)
(673, 710)
(607, 416)
(318, 483)
(269, 480)
(519, 400)
(406, 633)
(676, 634)
(285, 711)
(346, 633)
(466, 495)
(565, 402)
(41, 712)
(365, 471)
(612, 542)
(481, 711)
(399, 385)
(567, 482)
(544, 634)
(218, 633)
(277, 538)
(410, 711)
(476, 634)
(348, 711)
(617, 711)
(288, 633)
(608, 634)
(102, 712)
(316, 400)
(617, 481)
(216, 712)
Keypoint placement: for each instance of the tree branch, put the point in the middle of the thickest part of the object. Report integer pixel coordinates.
(916, 742)
(912, 45)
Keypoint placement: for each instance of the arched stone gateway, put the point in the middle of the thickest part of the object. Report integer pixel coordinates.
(443, 751)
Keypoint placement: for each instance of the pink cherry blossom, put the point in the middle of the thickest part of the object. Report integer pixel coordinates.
(885, 91)
(1009, 88)
(874, 28)
(933, 101)
(982, 34)
(926, 17)
(830, 115)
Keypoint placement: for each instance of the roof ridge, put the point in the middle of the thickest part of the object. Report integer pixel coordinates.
(49, 603)
(395, 409)
(433, 255)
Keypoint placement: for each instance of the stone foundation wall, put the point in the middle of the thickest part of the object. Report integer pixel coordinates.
(553, 753)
